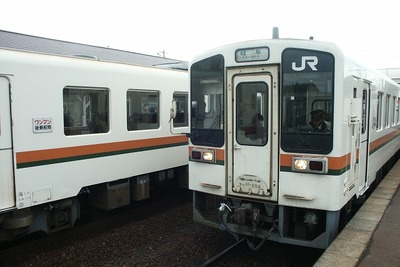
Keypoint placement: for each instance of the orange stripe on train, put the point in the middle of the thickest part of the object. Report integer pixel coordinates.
(55, 153)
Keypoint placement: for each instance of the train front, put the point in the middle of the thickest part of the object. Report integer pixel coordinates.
(261, 136)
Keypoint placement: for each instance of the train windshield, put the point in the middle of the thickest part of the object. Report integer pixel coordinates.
(307, 101)
(206, 83)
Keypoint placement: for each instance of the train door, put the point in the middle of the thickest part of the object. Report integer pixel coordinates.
(364, 147)
(7, 198)
(358, 121)
(252, 164)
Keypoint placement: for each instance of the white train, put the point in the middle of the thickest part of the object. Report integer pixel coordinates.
(73, 125)
(285, 135)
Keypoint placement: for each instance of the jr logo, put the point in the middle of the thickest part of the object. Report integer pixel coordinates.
(312, 61)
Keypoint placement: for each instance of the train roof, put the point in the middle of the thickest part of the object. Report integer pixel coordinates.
(273, 45)
(18, 41)
(393, 73)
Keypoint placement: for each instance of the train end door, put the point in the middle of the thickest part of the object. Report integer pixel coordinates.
(7, 194)
(252, 166)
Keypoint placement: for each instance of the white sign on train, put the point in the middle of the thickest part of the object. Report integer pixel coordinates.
(42, 125)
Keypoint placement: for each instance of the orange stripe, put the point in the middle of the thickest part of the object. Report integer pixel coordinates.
(338, 163)
(55, 153)
(220, 154)
(377, 143)
(286, 160)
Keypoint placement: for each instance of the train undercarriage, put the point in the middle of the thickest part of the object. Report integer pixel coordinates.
(264, 221)
(267, 221)
(63, 214)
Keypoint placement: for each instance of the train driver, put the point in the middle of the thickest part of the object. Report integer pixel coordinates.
(318, 122)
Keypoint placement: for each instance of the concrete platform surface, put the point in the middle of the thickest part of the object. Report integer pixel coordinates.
(372, 237)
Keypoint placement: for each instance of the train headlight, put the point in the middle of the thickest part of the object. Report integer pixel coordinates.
(203, 155)
(310, 164)
(300, 164)
(208, 156)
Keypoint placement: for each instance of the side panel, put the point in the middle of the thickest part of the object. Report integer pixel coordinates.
(7, 198)
(49, 163)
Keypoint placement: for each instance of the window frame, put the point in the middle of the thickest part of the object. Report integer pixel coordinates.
(139, 118)
(90, 108)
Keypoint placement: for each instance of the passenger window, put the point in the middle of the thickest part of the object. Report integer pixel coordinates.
(394, 111)
(379, 111)
(364, 111)
(181, 119)
(398, 110)
(142, 109)
(387, 111)
(86, 110)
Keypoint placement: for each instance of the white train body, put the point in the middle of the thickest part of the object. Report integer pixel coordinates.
(69, 123)
(286, 179)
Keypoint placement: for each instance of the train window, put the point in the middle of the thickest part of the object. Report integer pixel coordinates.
(142, 109)
(181, 119)
(398, 110)
(394, 111)
(307, 101)
(379, 111)
(387, 111)
(207, 105)
(364, 111)
(86, 110)
(252, 110)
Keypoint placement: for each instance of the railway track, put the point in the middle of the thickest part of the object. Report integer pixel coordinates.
(158, 233)
(271, 254)
(94, 226)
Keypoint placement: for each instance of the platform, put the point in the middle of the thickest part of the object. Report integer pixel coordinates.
(372, 237)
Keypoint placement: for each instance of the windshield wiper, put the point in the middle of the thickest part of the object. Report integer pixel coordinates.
(305, 143)
(215, 121)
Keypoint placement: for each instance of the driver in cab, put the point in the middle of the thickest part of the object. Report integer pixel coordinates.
(318, 123)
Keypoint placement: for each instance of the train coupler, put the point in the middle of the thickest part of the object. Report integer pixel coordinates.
(247, 214)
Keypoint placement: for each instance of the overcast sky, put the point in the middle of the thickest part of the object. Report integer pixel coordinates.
(367, 31)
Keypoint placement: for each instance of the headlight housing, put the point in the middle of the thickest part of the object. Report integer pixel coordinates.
(203, 155)
(310, 164)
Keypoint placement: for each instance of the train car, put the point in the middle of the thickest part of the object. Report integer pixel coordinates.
(285, 135)
(73, 126)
